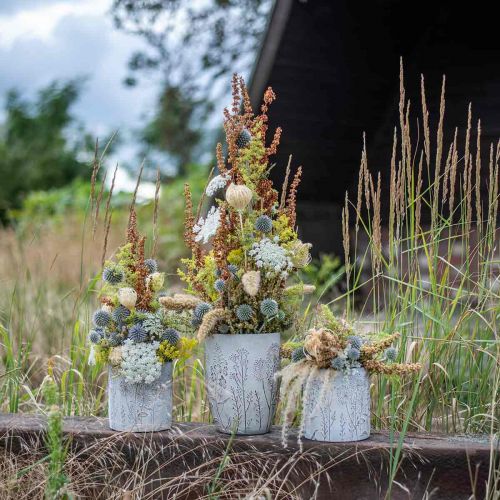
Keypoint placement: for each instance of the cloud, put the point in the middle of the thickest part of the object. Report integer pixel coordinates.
(80, 42)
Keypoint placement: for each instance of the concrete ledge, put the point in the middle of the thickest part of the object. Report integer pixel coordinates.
(448, 467)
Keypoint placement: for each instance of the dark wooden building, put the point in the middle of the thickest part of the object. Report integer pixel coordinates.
(334, 65)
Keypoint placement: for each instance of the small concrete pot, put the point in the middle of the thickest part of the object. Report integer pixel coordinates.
(140, 407)
(239, 377)
(337, 406)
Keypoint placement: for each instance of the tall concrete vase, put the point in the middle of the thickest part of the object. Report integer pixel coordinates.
(337, 408)
(239, 377)
(140, 407)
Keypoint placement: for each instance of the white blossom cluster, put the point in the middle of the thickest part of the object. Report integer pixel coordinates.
(206, 228)
(139, 362)
(271, 258)
(218, 182)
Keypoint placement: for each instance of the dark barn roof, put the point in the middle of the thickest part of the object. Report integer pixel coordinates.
(334, 65)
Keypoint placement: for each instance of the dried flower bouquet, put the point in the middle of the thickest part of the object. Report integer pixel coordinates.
(241, 279)
(330, 369)
(131, 331)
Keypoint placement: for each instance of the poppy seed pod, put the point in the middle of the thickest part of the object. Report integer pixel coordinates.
(238, 196)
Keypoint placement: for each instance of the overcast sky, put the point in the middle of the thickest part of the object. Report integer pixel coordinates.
(46, 40)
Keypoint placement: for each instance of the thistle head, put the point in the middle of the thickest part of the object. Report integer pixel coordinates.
(264, 224)
(120, 314)
(101, 318)
(244, 312)
(137, 333)
(355, 341)
(391, 353)
(113, 275)
(243, 139)
(219, 285)
(353, 354)
(95, 337)
(269, 308)
(201, 309)
(171, 335)
(151, 265)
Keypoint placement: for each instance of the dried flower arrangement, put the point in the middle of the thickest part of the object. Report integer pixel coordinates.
(241, 280)
(330, 349)
(131, 331)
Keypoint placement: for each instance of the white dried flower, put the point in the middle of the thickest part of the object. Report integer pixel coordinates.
(107, 308)
(218, 182)
(155, 281)
(206, 228)
(127, 297)
(91, 361)
(238, 196)
(139, 362)
(251, 282)
(271, 257)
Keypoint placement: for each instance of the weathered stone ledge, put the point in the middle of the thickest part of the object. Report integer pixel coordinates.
(452, 467)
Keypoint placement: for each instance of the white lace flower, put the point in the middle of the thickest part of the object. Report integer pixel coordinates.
(139, 362)
(218, 182)
(206, 228)
(271, 257)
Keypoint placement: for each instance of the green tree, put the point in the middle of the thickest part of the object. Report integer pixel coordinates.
(36, 151)
(172, 130)
(193, 46)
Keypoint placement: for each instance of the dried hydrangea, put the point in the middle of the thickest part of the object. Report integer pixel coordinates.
(206, 228)
(217, 183)
(139, 362)
(271, 257)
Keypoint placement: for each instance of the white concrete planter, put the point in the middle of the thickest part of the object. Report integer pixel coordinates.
(140, 407)
(239, 377)
(337, 409)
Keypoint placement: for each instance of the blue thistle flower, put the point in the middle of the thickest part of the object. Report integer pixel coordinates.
(120, 314)
(264, 224)
(243, 139)
(137, 333)
(101, 318)
(171, 335)
(338, 363)
(355, 341)
(219, 285)
(391, 353)
(151, 265)
(113, 275)
(269, 307)
(298, 354)
(223, 328)
(201, 309)
(281, 315)
(218, 273)
(244, 312)
(233, 269)
(95, 337)
(114, 339)
(353, 354)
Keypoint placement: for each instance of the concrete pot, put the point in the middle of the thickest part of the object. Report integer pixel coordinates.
(140, 407)
(239, 377)
(337, 408)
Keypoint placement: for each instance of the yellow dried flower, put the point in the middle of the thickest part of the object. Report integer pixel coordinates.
(301, 255)
(179, 302)
(321, 346)
(238, 196)
(155, 281)
(115, 356)
(127, 297)
(210, 320)
(251, 282)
